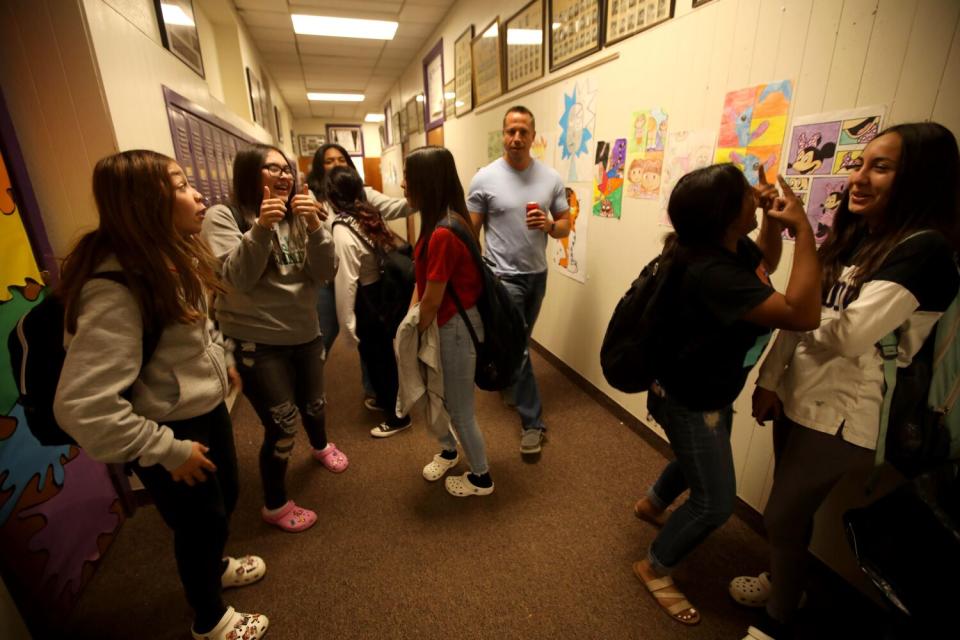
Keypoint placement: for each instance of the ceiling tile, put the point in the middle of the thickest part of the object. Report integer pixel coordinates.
(270, 19)
(265, 34)
(261, 5)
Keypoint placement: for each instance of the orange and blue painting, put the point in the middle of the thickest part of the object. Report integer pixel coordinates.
(752, 129)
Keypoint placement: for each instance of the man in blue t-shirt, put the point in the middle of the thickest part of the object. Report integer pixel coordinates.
(516, 241)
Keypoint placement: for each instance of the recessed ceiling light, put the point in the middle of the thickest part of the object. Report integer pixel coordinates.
(306, 25)
(374, 117)
(335, 97)
(524, 36)
(174, 15)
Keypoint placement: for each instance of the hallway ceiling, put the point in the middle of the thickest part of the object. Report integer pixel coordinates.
(300, 63)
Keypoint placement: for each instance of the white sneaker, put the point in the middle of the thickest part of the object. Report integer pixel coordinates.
(438, 467)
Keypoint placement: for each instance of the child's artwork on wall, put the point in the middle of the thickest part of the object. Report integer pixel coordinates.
(575, 143)
(752, 127)
(570, 253)
(686, 151)
(823, 149)
(540, 147)
(645, 154)
(608, 178)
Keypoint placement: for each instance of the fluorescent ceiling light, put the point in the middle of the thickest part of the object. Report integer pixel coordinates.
(492, 31)
(343, 27)
(335, 97)
(524, 36)
(420, 98)
(174, 15)
(374, 117)
(450, 95)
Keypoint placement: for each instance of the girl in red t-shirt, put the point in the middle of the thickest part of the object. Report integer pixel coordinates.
(444, 268)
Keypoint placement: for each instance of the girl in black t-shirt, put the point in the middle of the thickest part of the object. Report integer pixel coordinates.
(726, 309)
(888, 266)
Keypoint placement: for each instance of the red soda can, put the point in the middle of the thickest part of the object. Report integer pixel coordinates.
(532, 206)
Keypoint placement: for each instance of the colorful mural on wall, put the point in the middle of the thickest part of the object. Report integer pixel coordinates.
(58, 508)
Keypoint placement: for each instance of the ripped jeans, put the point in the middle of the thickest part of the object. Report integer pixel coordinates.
(284, 383)
(704, 464)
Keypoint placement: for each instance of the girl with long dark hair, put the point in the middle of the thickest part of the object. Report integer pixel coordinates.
(360, 236)
(725, 310)
(274, 253)
(888, 266)
(326, 158)
(165, 416)
(445, 267)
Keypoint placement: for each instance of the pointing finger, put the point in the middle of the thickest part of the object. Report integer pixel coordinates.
(787, 191)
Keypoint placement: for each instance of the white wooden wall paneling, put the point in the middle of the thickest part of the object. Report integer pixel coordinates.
(846, 67)
(946, 111)
(886, 53)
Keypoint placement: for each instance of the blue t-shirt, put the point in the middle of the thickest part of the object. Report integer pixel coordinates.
(501, 193)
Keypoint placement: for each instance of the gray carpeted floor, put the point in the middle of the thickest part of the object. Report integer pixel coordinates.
(548, 555)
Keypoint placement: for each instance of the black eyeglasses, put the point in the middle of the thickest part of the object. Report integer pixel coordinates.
(276, 170)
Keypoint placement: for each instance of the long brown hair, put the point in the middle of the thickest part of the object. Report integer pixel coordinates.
(434, 186)
(344, 190)
(168, 273)
(924, 195)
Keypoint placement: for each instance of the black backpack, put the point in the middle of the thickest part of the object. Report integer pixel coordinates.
(36, 358)
(397, 276)
(500, 354)
(635, 345)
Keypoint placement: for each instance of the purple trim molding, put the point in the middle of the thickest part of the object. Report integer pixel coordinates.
(25, 198)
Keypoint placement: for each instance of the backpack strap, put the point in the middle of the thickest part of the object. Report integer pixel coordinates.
(242, 223)
(351, 223)
(889, 347)
(150, 339)
(457, 229)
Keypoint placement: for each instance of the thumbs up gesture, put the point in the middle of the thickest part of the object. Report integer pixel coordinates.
(272, 210)
(305, 205)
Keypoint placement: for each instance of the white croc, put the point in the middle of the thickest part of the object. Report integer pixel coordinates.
(234, 625)
(461, 487)
(751, 591)
(242, 571)
(438, 467)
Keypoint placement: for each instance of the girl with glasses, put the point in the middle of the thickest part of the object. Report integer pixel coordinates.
(274, 254)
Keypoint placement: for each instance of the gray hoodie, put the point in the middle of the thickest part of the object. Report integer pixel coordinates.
(185, 378)
(272, 298)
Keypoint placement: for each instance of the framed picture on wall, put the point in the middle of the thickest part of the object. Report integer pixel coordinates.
(488, 63)
(390, 129)
(255, 90)
(627, 17)
(413, 120)
(697, 3)
(421, 121)
(450, 100)
(525, 45)
(433, 87)
(574, 30)
(463, 67)
(276, 120)
(402, 125)
(309, 143)
(348, 136)
(178, 31)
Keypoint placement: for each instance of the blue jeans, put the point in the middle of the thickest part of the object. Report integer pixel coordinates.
(527, 291)
(329, 328)
(704, 464)
(459, 359)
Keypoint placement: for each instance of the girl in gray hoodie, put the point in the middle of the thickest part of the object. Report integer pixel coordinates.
(166, 417)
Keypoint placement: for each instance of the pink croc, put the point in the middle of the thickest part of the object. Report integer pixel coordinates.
(332, 458)
(290, 517)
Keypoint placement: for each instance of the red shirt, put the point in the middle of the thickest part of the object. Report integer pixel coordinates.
(448, 260)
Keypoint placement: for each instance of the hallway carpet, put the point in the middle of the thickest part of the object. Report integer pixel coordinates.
(547, 556)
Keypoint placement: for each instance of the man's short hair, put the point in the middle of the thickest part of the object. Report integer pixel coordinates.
(520, 109)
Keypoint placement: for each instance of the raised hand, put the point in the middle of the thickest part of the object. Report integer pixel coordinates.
(272, 210)
(788, 209)
(192, 471)
(765, 192)
(306, 206)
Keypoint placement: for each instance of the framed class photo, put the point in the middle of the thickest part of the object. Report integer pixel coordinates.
(463, 69)
(525, 45)
(433, 87)
(627, 17)
(488, 63)
(348, 136)
(575, 30)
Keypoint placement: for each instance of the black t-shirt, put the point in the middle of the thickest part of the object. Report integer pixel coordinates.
(715, 348)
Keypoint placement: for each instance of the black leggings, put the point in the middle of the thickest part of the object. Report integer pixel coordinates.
(376, 349)
(199, 515)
